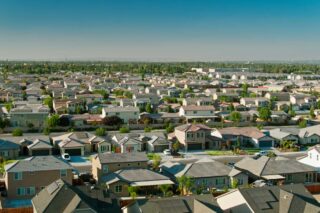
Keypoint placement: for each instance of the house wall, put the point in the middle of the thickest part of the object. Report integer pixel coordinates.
(313, 139)
(10, 154)
(240, 178)
(23, 119)
(123, 193)
(210, 182)
(97, 168)
(301, 177)
(125, 116)
(37, 179)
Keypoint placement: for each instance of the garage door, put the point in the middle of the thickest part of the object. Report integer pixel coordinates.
(194, 146)
(40, 152)
(73, 151)
(265, 144)
(160, 148)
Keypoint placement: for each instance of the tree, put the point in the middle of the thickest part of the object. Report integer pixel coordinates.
(17, 132)
(234, 183)
(244, 90)
(147, 129)
(185, 184)
(264, 113)
(46, 131)
(53, 121)
(100, 132)
(311, 113)
(164, 189)
(235, 116)
(170, 128)
(124, 129)
(112, 121)
(231, 108)
(133, 191)
(176, 147)
(303, 123)
(78, 110)
(156, 160)
(149, 108)
(48, 101)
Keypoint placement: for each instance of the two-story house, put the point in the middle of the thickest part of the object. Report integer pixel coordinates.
(126, 114)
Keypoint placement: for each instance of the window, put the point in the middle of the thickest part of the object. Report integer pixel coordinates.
(63, 173)
(289, 177)
(104, 148)
(118, 188)
(18, 176)
(105, 168)
(30, 190)
(195, 112)
(4, 153)
(205, 182)
(220, 181)
(240, 181)
(21, 191)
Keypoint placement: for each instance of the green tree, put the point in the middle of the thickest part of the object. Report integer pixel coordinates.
(176, 147)
(303, 123)
(164, 189)
(234, 183)
(100, 131)
(147, 129)
(17, 132)
(133, 191)
(149, 108)
(264, 113)
(49, 102)
(156, 160)
(124, 129)
(235, 116)
(53, 121)
(244, 90)
(311, 113)
(170, 128)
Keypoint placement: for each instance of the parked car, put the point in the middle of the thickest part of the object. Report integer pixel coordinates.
(261, 183)
(66, 156)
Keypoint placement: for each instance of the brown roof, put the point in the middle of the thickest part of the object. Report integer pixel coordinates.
(192, 127)
(252, 132)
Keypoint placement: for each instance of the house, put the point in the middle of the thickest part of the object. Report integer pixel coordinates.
(271, 199)
(134, 142)
(8, 149)
(281, 135)
(309, 135)
(196, 137)
(147, 180)
(40, 147)
(312, 158)
(25, 178)
(277, 170)
(257, 102)
(105, 163)
(31, 115)
(90, 98)
(204, 101)
(126, 114)
(59, 196)
(204, 203)
(279, 117)
(246, 135)
(197, 112)
(62, 106)
(79, 143)
(205, 173)
(278, 96)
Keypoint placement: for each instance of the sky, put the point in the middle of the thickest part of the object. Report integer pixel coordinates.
(160, 30)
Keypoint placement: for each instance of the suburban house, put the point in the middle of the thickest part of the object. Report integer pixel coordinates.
(148, 181)
(20, 176)
(310, 135)
(285, 198)
(281, 135)
(203, 101)
(134, 142)
(31, 115)
(196, 137)
(39, 147)
(59, 196)
(126, 114)
(197, 112)
(89, 98)
(247, 136)
(105, 163)
(79, 143)
(8, 149)
(312, 158)
(206, 173)
(257, 102)
(61, 106)
(277, 170)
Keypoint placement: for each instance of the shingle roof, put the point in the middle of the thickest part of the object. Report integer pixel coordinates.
(192, 127)
(122, 157)
(38, 163)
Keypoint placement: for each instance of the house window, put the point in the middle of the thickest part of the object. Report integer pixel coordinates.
(240, 181)
(104, 148)
(63, 173)
(18, 176)
(30, 190)
(220, 181)
(105, 168)
(21, 191)
(194, 112)
(289, 177)
(4, 153)
(118, 188)
(205, 182)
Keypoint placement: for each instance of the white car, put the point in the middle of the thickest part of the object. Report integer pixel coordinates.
(167, 152)
(66, 156)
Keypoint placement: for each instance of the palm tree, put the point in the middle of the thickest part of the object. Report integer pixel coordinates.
(133, 192)
(164, 189)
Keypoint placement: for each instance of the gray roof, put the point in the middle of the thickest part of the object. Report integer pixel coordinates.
(40, 144)
(308, 131)
(272, 166)
(135, 175)
(8, 145)
(38, 163)
(59, 197)
(122, 157)
(286, 198)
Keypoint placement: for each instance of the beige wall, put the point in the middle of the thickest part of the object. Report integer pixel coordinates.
(123, 193)
(36, 179)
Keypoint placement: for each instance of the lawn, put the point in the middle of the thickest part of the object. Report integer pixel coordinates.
(251, 151)
(219, 152)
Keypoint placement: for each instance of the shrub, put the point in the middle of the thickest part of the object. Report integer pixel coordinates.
(17, 132)
(100, 132)
(124, 130)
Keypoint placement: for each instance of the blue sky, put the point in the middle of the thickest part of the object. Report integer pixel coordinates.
(207, 30)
